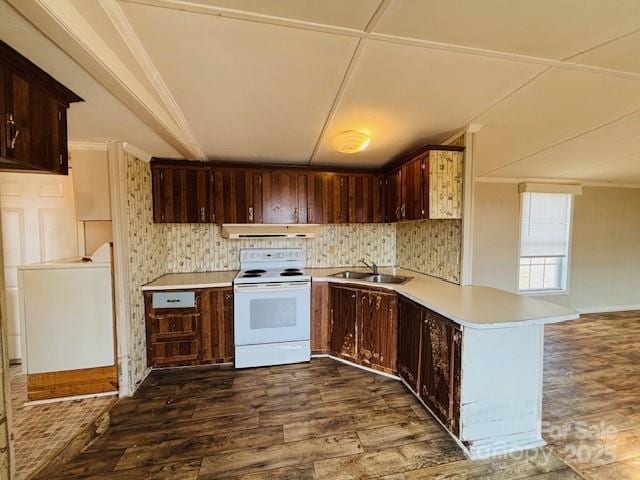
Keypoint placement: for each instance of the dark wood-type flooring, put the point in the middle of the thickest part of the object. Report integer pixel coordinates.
(327, 420)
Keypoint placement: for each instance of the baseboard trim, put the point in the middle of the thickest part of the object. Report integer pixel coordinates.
(351, 364)
(614, 308)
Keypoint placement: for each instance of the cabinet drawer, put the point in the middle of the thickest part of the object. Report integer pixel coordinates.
(173, 300)
(171, 327)
(181, 352)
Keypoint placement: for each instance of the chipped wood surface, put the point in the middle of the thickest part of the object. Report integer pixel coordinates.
(326, 420)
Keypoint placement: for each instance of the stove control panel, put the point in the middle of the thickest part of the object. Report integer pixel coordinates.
(271, 254)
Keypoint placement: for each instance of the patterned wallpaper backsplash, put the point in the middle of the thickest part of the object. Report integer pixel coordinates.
(147, 257)
(432, 247)
(197, 248)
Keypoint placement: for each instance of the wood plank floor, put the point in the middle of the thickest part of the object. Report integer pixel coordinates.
(326, 420)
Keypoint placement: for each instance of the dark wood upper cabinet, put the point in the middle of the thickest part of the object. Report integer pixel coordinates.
(410, 317)
(238, 196)
(338, 198)
(411, 205)
(344, 306)
(394, 196)
(441, 367)
(182, 195)
(428, 185)
(318, 201)
(284, 197)
(377, 323)
(33, 106)
(366, 198)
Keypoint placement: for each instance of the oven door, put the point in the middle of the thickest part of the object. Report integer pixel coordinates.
(272, 313)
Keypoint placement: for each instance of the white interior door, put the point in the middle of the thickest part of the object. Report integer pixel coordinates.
(38, 225)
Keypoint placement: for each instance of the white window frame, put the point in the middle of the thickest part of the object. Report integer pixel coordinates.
(567, 279)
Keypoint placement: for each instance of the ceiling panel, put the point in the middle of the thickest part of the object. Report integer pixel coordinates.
(622, 54)
(249, 91)
(555, 107)
(544, 28)
(351, 14)
(403, 96)
(610, 154)
(101, 116)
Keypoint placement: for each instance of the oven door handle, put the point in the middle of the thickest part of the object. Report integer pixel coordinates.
(281, 287)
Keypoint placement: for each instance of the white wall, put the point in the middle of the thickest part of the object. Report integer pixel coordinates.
(605, 251)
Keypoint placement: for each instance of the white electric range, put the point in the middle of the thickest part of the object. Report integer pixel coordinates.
(272, 308)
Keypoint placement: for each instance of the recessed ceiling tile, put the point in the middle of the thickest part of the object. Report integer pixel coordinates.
(350, 14)
(610, 154)
(404, 96)
(542, 28)
(101, 116)
(556, 107)
(249, 91)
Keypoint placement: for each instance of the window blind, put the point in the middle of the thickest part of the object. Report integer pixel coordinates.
(545, 224)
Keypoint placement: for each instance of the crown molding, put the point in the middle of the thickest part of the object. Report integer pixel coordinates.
(65, 26)
(92, 146)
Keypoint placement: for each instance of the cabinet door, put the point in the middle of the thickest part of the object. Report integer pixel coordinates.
(409, 341)
(366, 200)
(48, 131)
(445, 169)
(440, 370)
(320, 317)
(284, 197)
(338, 198)
(394, 196)
(216, 325)
(343, 322)
(238, 196)
(18, 118)
(318, 197)
(169, 194)
(411, 207)
(377, 323)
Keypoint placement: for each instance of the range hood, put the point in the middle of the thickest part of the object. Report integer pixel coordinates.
(263, 230)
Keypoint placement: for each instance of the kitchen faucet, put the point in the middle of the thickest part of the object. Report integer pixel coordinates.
(373, 267)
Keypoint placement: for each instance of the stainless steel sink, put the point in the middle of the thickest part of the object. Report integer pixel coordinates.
(367, 277)
(396, 279)
(349, 274)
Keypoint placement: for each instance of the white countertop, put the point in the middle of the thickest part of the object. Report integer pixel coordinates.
(178, 281)
(474, 307)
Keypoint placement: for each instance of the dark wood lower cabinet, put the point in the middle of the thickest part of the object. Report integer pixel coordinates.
(320, 318)
(377, 323)
(191, 336)
(410, 316)
(344, 306)
(216, 325)
(441, 367)
(364, 326)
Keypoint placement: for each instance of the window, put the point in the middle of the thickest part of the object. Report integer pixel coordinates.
(544, 242)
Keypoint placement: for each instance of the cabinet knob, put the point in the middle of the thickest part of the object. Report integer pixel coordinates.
(251, 214)
(202, 214)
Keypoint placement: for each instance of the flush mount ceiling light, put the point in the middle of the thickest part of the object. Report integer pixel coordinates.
(351, 141)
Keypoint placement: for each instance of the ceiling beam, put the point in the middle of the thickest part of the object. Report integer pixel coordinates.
(65, 26)
(132, 41)
(201, 8)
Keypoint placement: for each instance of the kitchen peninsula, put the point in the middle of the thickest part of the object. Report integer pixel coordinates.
(472, 355)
